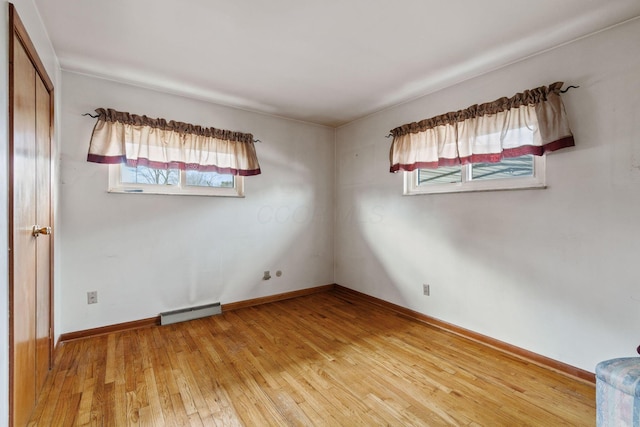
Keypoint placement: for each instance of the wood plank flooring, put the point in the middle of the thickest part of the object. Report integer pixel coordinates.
(326, 359)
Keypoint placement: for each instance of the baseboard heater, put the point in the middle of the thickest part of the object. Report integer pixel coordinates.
(190, 313)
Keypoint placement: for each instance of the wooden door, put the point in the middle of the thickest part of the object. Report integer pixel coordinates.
(30, 285)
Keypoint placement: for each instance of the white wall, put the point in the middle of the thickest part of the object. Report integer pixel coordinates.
(31, 20)
(146, 254)
(553, 271)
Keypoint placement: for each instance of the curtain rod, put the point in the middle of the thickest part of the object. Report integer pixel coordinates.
(569, 87)
(95, 116)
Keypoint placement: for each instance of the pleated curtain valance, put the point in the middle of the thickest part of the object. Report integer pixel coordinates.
(531, 122)
(120, 137)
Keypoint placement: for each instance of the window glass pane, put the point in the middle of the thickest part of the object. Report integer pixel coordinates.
(209, 179)
(442, 175)
(145, 175)
(508, 168)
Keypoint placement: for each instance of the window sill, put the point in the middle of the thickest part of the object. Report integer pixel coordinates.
(232, 192)
(458, 188)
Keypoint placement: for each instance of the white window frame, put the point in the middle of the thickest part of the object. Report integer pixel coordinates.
(181, 189)
(467, 184)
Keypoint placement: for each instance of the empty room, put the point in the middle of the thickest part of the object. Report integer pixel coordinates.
(320, 213)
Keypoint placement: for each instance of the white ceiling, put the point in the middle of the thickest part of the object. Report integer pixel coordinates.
(322, 61)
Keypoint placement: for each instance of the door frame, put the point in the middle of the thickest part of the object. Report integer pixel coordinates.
(18, 30)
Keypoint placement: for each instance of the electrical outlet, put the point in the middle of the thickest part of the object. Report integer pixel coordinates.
(92, 297)
(425, 289)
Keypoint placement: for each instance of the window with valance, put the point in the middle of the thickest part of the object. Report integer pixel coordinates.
(530, 123)
(179, 156)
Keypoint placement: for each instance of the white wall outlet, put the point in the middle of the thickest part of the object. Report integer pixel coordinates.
(92, 297)
(425, 289)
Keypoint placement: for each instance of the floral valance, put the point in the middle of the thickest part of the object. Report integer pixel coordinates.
(120, 137)
(531, 122)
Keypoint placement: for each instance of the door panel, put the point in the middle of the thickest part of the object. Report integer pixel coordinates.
(43, 243)
(30, 259)
(24, 244)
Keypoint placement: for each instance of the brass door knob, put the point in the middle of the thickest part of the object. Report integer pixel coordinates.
(37, 230)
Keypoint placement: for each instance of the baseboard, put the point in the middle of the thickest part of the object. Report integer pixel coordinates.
(126, 326)
(521, 353)
(155, 321)
(278, 297)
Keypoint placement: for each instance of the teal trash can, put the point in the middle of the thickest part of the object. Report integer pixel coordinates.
(618, 393)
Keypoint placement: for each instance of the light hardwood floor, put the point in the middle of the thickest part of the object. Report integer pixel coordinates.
(324, 359)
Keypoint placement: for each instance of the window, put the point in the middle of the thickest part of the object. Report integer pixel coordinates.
(511, 173)
(158, 156)
(142, 179)
(501, 144)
